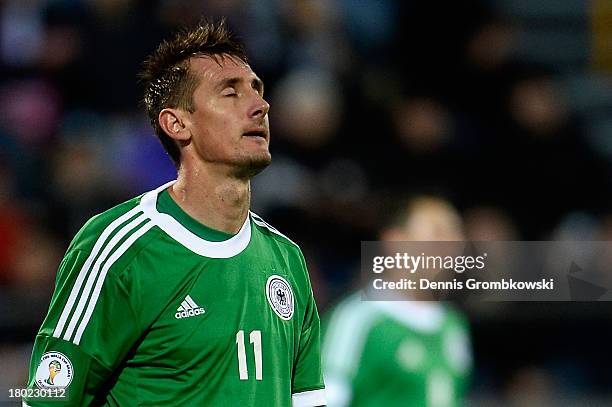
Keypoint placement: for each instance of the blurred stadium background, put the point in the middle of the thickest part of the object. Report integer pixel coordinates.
(502, 106)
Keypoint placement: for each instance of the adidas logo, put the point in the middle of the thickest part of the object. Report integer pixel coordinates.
(188, 309)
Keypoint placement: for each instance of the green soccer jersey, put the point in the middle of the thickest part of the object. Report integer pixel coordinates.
(151, 308)
(395, 353)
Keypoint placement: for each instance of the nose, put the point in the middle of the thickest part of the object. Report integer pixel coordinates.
(259, 108)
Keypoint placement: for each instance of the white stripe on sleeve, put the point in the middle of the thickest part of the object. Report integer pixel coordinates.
(310, 398)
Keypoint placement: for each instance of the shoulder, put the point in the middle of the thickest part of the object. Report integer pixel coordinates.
(112, 218)
(113, 232)
(273, 234)
(271, 243)
(350, 315)
(456, 318)
(347, 328)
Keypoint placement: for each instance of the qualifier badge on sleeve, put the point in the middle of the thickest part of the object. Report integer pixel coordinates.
(54, 371)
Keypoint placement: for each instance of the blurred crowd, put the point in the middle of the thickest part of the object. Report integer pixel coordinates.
(501, 107)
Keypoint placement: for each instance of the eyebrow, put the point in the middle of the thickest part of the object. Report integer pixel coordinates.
(256, 83)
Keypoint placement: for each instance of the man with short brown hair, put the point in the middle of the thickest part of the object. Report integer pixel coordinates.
(182, 296)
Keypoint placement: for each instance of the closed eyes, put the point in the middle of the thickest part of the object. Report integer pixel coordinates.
(229, 92)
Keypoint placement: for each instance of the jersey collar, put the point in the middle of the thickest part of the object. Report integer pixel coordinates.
(220, 250)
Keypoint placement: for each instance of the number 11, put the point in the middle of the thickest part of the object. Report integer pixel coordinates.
(255, 339)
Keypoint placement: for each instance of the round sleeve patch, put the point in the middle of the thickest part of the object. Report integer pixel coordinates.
(54, 371)
(280, 296)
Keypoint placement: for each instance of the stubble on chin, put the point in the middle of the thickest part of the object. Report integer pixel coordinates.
(251, 166)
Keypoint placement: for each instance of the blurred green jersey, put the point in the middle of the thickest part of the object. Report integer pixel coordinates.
(151, 308)
(395, 353)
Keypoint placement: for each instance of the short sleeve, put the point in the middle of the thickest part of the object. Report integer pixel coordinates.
(308, 388)
(90, 327)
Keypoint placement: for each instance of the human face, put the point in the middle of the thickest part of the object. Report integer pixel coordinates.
(229, 125)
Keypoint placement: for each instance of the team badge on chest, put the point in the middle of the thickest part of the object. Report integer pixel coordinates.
(280, 296)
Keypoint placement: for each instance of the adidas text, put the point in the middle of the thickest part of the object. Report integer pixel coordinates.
(189, 313)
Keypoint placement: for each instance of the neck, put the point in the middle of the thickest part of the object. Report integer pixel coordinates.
(215, 200)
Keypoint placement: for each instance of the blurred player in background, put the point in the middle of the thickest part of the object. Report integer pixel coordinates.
(400, 353)
(182, 296)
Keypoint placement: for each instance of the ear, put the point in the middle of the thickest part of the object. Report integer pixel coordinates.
(172, 121)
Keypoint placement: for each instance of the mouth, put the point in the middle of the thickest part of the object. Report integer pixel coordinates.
(256, 134)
